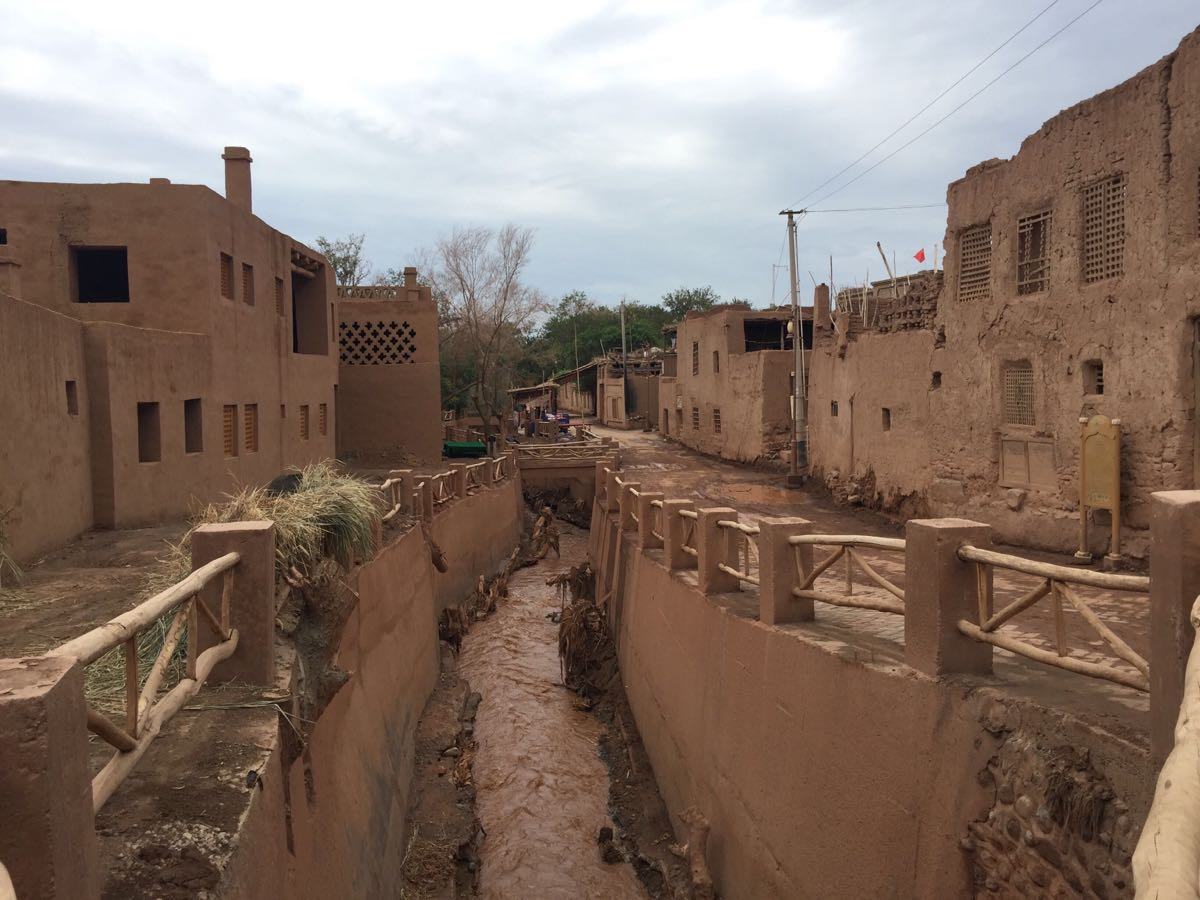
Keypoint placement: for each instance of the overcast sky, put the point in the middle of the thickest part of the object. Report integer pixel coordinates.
(650, 144)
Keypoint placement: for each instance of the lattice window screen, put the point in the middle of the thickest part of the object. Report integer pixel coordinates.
(229, 429)
(377, 343)
(975, 263)
(695, 418)
(1018, 393)
(227, 276)
(248, 284)
(250, 426)
(695, 357)
(304, 422)
(279, 296)
(322, 419)
(1104, 229)
(1033, 253)
(716, 420)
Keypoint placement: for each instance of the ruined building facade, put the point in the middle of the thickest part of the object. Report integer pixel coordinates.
(1072, 288)
(162, 345)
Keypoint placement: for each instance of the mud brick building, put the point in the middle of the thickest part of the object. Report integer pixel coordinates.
(161, 345)
(731, 393)
(1072, 288)
(389, 377)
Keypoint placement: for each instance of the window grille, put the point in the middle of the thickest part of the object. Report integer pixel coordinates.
(322, 419)
(1033, 253)
(1093, 377)
(377, 343)
(975, 263)
(717, 420)
(279, 296)
(304, 422)
(250, 425)
(229, 429)
(1104, 229)
(1018, 393)
(695, 418)
(248, 284)
(833, 408)
(695, 357)
(226, 276)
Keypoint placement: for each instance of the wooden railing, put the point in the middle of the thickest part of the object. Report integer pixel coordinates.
(422, 495)
(745, 551)
(656, 527)
(688, 540)
(1058, 583)
(847, 547)
(145, 711)
(586, 450)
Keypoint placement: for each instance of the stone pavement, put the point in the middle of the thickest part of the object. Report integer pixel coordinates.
(680, 473)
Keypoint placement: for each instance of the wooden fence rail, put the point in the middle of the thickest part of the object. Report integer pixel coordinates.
(846, 547)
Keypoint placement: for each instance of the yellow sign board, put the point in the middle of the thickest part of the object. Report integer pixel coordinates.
(1100, 475)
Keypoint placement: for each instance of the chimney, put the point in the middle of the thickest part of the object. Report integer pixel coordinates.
(410, 276)
(821, 307)
(10, 276)
(237, 177)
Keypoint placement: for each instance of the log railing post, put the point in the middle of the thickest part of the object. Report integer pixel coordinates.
(458, 480)
(646, 538)
(940, 590)
(601, 478)
(612, 491)
(48, 842)
(777, 573)
(629, 506)
(1174, 585)
(251, 600)
(674, 528)
(714, 546)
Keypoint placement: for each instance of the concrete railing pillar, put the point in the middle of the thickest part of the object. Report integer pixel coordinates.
(601, 478)
(715, 545)
(940, 589)
(675, 527)
(252, 603)
(1174, 586)
(458, 479)
(404, 490)
(646, 538)
(427, 500)
(48, 842)
(612, 491)
(486, 471)
(629, 506)
(777, 571)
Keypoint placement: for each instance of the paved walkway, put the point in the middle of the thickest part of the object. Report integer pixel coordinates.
(679, 473)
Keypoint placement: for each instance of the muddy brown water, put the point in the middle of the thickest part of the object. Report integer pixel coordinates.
(541, 789)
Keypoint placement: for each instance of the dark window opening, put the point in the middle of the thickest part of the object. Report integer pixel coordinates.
(283, 410)
(887, 419)
(193, 426)
(3, 235)
(149, 437)
(1093, 377)
(769, 334)
(101, 274)
(833, 408)
(72, 399)
(310, 322)
(936, 381)
(716, 361)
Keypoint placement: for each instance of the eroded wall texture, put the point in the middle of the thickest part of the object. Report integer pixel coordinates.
(1072, 287)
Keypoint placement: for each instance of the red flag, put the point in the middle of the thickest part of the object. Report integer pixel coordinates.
(919, 256)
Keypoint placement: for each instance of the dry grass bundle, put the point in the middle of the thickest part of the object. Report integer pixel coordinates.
(329, 515)
(7, 563)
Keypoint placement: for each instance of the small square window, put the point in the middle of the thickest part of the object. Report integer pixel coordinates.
(226, 276)
(833, 408)
(149, 438)
(936, 381)
(1093, 377)
(101, 274)
(193, 426)
(72, 398)
(886, 419)
(250, 426)
(248, 284)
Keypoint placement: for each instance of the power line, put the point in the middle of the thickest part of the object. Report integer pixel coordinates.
(926, 107)
(909, 143)
(878, 208)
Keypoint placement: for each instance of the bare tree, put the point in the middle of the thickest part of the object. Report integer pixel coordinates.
(350, 267)
(486, 311)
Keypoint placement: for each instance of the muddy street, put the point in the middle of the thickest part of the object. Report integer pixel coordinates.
(541, 788)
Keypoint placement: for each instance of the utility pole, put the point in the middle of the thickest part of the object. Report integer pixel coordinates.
(799, 453)
(575, 325)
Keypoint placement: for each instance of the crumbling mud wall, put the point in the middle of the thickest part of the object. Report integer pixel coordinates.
(339, 827)
(477, 538)
(828, 769)
(1130, 319)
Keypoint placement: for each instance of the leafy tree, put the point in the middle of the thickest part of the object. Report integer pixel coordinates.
(350, 267)
(679, 302)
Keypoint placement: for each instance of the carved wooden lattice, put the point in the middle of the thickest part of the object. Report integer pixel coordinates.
(1104, 229)
(975, 263)
(377, 343)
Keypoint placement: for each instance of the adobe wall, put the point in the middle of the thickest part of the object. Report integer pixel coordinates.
(483, 531)
(43, 446)
(878, 372)
(749, 388)
(389, 377)
(349, 826)
(824, 769)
